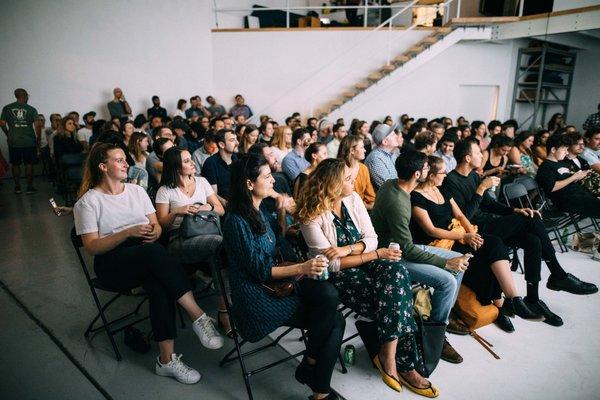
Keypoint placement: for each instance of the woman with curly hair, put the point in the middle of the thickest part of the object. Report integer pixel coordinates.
(371, 281)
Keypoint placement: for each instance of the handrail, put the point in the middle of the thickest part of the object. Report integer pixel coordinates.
(343, 53)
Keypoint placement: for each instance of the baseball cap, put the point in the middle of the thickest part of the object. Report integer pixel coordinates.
(382, 131)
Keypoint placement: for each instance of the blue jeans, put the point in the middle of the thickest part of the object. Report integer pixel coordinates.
(444, 283)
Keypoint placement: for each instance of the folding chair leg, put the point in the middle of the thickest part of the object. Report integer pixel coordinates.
(101, 310)
(105, 324)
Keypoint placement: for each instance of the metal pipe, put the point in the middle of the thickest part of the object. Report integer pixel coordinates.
(287, 14)
(366, 14)
(521, 6)
(372, 7)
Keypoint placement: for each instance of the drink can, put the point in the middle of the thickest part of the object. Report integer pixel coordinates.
(349, 355)
(394, 246)
(325, 275)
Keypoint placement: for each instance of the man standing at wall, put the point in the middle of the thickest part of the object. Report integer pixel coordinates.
(118, 107)
(16, 121)
(156, 110)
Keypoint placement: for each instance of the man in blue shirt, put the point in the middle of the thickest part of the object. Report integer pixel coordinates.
(381, 160)
(216, 167)
(294, 162)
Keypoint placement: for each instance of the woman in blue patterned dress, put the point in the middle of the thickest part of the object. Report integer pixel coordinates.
(251, 244)
(370, 281)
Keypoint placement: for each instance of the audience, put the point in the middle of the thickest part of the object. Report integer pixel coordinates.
(561, 184)
(314, 154)
(252, 264)
(84, 134)
(592, 122)
(556, 122)
(216, 110)
(216, 168)
(370, 280)
(180, 110)
(539, 146)
(352, 151)
(339, 132)
(282, 143)
(495, 158)
(591, 153)
(138, 148)
(425, 142)
(437, 220)
(520, 227)
(207, 149)
(445, 148)
(522, 154)
(156, 110)
(65, 141)
(249, 137)
(118, 107)
(435, 267)
(154, 163)
(294, 162)
(380, 161)
(240, 108)
(118, 226)
(266, 131)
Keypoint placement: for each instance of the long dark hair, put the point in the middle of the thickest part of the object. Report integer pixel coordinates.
(246, 167)
(172, 167)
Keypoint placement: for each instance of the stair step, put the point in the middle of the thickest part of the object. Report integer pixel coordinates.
(387, 68)
(430, 40)
(362, 85)
(349, 94)
(415, 49)
(401, 59)
(443, 30)
(338, 102)
(375, 76)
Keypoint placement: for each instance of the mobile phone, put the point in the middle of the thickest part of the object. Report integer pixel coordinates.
(54, 206)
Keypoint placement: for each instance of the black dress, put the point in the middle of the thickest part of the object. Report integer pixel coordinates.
(479, 276)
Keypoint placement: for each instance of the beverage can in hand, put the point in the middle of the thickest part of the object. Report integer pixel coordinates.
(325, 275)
(394, 246)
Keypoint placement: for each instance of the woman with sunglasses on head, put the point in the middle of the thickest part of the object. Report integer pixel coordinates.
(370, 281)
(251, 245)
(118, 226)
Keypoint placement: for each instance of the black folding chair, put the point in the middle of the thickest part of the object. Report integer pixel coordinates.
(239, 342)
(517, 192)
(95, 285)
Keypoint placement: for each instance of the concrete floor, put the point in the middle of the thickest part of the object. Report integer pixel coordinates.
(46, 357)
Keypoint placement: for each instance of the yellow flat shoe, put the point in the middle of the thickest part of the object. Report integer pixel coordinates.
(387, 379)
(430, 391)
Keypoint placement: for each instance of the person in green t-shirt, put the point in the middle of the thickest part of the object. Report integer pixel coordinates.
(16, 121)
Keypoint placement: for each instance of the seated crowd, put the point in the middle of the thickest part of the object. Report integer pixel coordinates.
(350, 193)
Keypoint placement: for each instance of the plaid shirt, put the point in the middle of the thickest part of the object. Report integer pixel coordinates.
(592, 122)
(381, 166)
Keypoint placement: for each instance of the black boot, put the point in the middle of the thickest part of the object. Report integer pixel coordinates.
(503, 322)
(541, 308)
(516, 306)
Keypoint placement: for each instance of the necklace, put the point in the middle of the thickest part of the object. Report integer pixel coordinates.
(433, 194)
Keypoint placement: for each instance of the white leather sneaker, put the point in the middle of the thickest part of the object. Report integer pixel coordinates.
(206, 332)
(178, 370)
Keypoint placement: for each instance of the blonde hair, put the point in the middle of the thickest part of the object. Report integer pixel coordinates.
(279, 138)
(323, 187)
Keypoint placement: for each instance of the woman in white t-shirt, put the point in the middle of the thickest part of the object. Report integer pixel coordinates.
(118, 226)
(182, 193)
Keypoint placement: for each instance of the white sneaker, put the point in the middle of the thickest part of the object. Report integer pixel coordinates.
(206, 332)
(178, 370)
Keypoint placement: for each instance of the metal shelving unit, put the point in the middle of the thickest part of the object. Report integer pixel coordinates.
(532, 98)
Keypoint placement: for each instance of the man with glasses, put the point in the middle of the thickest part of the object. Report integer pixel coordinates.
(17, 121)
(432, 266)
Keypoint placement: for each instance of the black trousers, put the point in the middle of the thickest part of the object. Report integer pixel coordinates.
(526, 233)
(132, 264)
(325, 328)
(584, 206)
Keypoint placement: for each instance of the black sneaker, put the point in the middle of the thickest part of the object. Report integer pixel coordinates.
(18, 190)
(30, 190)
(571, 284)
(541, 308)
(135, 340)
(516, 306)
(503, 322)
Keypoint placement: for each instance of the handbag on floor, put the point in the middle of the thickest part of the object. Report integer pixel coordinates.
(471, 311)
(586, 242)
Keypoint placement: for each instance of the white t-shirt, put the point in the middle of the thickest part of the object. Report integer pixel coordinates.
(107, 214)
(176, 198)
(84, 135)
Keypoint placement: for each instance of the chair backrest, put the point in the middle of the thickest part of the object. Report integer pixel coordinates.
(527, 181)
(77, 245)
(514, 191)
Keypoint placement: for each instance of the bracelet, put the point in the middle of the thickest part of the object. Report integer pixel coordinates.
(377, 254)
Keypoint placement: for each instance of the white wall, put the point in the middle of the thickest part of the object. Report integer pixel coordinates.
(70, 54)
(285, 71)
(585, 92)
(434, 89)
(560, 5)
